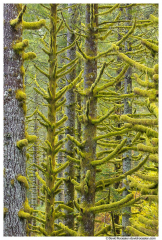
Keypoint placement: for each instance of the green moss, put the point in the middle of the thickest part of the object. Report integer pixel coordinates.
(111, 206)
(154, 19)
(152, 94)
(27, 208)
(144, 148)
(111, 155)
(150, 45)
(28, 56)
(19, 47)
(104, 230)
(31, 138)
(147, 177)
(136, 64)
(156, 77)
(153, 158)
(12, 182)
(23, 179)
(22, 70)
(23, 214)
(20, 95)
(5, 210)
(62, 167)
(147, 221)
(145, 122)
(153, 108)
(16, 22)
(156, 69)
(68, 230)
(22, 143)
(33, 25)
(134, 232)
(145, 83)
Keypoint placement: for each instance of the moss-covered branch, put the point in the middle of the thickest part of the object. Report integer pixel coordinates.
(147, 177)
(67, 65)
(110, 10)
(99, 120)
(117, 133)
(41, 71)
(98, 78)
(143, 148)
(135, 64)
(15, 22)
(145, 122)
(62, 167)
(145, 83)
(134, 232)
(111, 206)
(77, 143)
(151, 94)
(139, 128)
(40, 179)
(23, 179)
(111, 155)
(68, 230)
(33, 25)
(150, 45)
(110, 181)
(104, 230)
(147, 221)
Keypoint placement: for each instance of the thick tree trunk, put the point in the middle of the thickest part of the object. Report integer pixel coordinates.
(14, 117)
(89, 131)
(127, 110)
(70, 123)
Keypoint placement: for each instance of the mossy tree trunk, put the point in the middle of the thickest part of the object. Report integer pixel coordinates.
(127, 110)
(50, 177)
(89, 132)
(119, 112)
(14, 117)
(35, 181)
(70, 123)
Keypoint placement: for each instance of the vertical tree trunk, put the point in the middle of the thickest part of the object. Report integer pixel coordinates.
(119, 112)
(50, 177)
(70, 123)
(35, 161)
(127, 110)
(14, 117)
(89, 131)
(78, 96)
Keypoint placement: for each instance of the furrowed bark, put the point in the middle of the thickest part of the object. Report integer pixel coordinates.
(14, 130)
(86, 227)
(70, 123)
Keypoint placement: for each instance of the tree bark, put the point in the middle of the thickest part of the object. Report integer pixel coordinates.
(89, 132)
(14, 130)
(127, 110)
(70, 123)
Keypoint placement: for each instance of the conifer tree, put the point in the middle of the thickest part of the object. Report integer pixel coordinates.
(70, 123)
(14, 128)
(127, 110)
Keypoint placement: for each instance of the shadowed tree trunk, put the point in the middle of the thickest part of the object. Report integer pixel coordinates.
(14, 157)
(70, 123)
(89, 132)
(127, 110)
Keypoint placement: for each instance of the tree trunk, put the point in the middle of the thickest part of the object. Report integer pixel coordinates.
(70, 123)
(89, 132)
(14, 130)
(127, 110)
